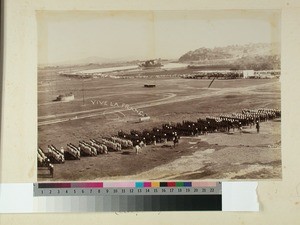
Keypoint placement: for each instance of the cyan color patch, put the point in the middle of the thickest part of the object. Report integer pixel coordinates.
(139, 184)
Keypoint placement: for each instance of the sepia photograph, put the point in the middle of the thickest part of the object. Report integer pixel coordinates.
(159, 95)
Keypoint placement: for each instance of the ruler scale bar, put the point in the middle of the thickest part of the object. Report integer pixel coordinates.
(168, 203)
(126, 191)
(132, 196)
(125, 184)
(227, 196)
(131, 203)
(139, 188)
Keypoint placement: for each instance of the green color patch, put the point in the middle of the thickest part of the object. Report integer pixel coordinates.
(179, 184)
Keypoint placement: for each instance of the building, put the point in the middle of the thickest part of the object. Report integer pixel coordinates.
(65, 97)
(267, 73)
(248, 73)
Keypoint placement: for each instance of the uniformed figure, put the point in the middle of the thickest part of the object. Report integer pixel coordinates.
(257, 126)
(240, 127)
(51, 170)
(142, 144)
(175, 140)
(137, 149)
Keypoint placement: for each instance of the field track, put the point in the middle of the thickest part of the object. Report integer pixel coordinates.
(171, 98)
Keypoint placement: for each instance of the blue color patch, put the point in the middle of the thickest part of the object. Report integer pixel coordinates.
(187, 184)
(139, 184)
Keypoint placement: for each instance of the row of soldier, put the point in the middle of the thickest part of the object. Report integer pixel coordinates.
(87, 149)
(72, 152)
(114, 146)
(123, 142)
(222, 123)
(42, 158)
(44, 161)
(218, 75)
(100, 147)
(92, 147)
(168, 132)
(55, 155)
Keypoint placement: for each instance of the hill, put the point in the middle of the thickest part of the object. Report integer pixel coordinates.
(250, 56)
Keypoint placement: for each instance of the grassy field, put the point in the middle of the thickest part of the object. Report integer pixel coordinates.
(172, 100)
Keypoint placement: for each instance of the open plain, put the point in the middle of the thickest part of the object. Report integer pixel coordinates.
(103, 106)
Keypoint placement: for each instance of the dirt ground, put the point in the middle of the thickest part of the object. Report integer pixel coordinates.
(245, 155)
(214, 156)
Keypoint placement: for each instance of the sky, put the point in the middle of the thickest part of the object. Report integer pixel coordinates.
(65, 36)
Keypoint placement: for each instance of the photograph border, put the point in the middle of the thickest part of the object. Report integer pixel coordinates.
(277, 198)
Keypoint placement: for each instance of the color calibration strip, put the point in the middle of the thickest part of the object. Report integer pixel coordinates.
(126, 188)
(234, 196)
(129, 203)
(131, 196)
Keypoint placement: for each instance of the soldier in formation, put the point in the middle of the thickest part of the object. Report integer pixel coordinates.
(168, 132)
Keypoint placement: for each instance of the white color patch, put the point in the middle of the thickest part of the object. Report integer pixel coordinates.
(239, 196)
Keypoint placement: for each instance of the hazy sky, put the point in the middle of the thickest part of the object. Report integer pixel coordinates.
(65, 36)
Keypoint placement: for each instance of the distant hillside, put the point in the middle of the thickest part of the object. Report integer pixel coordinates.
(83, 61)
(249, 56)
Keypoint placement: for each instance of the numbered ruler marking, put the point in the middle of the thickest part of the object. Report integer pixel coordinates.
(127, 191)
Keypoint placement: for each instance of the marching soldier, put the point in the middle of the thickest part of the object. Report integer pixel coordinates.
(257, 126)
(175, 140)
(137, 149)
(51, 169)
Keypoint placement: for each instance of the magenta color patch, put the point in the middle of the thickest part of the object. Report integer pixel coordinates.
(147, 184)
(88, 185)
